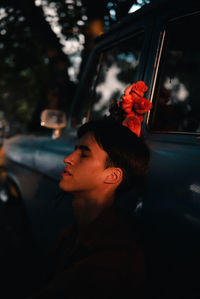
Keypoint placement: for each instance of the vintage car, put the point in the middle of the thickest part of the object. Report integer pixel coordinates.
(159, 45)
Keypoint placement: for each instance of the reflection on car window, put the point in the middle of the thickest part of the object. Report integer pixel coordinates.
(176, 104)
(117, 69)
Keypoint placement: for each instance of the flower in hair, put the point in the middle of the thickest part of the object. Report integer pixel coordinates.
(133, 122)
(134, 105)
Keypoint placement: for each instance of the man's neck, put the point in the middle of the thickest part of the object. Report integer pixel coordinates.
(86, 210)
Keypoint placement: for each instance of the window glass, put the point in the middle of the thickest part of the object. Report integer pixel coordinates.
(114, 69)
(118, 68)
(84, 94)
(176, 103)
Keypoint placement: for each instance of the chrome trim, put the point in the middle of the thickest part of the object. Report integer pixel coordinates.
(156, 67)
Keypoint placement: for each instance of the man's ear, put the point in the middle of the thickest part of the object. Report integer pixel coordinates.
(114, 175)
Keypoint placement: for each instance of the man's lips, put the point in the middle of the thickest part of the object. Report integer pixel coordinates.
(66, 172)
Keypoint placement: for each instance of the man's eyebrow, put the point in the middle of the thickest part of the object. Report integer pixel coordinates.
(83, 147)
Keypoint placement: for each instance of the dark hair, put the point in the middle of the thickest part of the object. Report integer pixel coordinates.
(125, 150)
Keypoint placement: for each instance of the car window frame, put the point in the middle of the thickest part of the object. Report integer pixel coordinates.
(152, 71)
(160, 69)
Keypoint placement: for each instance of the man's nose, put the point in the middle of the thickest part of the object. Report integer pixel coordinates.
(70, 159)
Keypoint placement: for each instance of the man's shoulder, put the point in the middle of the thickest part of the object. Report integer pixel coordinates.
(111, 231)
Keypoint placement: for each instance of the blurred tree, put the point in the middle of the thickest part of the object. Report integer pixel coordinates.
(34, 67)
(34, 63)
(101, 15)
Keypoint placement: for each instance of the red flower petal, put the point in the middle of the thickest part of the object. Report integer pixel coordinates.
(127, 107)
(127, 98)
(139, 88)
(127, 91)
(133, 122)
(142, 106)
(140, 85)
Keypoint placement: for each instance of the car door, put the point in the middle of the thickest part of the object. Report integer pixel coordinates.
(171, 202)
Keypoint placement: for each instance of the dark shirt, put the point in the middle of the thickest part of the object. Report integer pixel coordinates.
(104, 261)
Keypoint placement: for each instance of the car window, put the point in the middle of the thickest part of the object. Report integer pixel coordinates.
(117, 69)
(176, 102)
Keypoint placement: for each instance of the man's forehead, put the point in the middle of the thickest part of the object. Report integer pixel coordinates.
(87, 140)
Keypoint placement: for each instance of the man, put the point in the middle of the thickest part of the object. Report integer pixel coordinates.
(100, 256)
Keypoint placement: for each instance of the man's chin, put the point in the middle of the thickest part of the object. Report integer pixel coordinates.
(62, 186)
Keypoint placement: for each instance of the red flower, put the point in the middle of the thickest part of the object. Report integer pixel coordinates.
(134, 104)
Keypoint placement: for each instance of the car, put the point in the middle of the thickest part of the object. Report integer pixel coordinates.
(159, 45)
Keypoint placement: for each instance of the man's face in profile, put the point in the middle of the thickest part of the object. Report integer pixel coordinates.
(85, 167)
